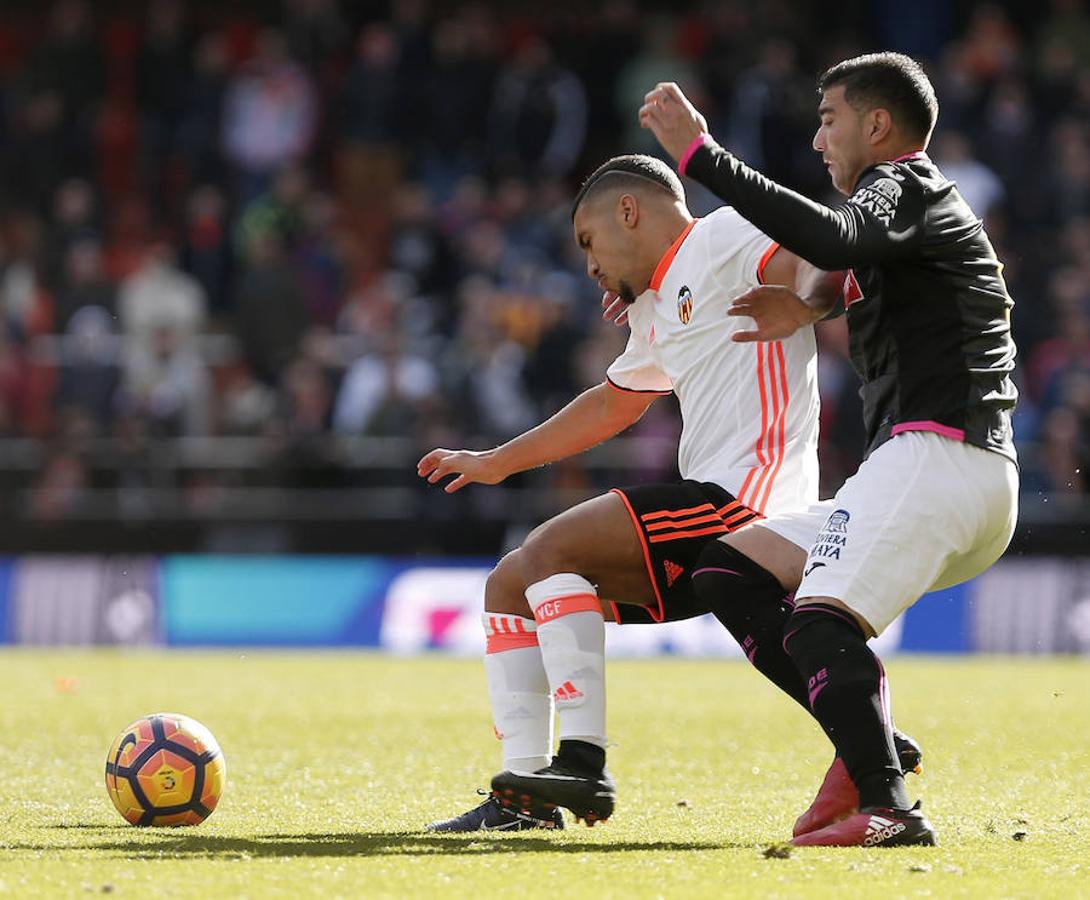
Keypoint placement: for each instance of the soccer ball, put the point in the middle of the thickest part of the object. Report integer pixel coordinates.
(165, 769)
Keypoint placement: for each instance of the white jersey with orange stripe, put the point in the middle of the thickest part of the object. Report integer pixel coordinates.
(749, 410)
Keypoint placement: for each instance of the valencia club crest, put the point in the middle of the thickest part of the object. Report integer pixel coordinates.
(684, 305)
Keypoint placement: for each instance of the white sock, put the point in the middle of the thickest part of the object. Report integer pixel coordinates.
(522, 705)
(571, 632)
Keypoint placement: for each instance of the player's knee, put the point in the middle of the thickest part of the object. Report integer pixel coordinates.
(504, 588)
(723, 574)
(548, 550)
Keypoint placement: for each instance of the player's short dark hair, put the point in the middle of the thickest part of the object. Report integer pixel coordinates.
(892, 81)
(630, 172)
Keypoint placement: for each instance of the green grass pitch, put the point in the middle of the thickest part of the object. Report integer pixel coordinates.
(336, 760)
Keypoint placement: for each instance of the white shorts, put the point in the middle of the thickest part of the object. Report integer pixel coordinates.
(922, 513)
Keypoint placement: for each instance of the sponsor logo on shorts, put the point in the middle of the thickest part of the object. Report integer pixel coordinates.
(832, 538)
(673, 572)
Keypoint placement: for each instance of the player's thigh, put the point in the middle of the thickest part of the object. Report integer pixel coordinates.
(996, 482)
(779, 544)
(595, 539)
(895, 526)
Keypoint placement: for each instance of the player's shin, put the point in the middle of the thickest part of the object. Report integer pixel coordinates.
(571, 634)
(754, 607)
(518, 689)
(846, 687)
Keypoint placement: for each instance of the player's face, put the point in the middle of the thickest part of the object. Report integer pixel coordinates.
(840, 139)
(609, 248)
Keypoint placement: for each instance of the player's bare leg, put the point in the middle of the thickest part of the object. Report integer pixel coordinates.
(597, 538)
(564, 564)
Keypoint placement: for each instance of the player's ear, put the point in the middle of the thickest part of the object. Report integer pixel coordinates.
(879, 124)
(628, 211)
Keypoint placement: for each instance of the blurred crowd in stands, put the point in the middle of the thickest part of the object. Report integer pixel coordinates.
(308, 218)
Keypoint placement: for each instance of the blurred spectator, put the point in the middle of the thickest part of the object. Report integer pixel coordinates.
(164, 76)
(165, 383)
(537, 121)
(463, 72)
(69, 69)
(270, 115)
(385, 392)
(206, 245)
(978, 185)
(199, 128)
(656, 60)
(376, 212)
(25, 302)
(160, 296)
(85, 283)
(271, 312)
(315, 31)
(90, 375)
(277, 211)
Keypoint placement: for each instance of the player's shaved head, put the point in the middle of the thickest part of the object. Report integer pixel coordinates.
(634, 173)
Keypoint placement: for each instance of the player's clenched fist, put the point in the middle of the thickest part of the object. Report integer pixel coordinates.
(469, 465)
(667, 112)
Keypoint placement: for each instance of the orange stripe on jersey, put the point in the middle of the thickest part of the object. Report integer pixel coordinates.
(676, 513)
(566, 606)
(696, 532)
(758, 449)
(771, 442)
(763, 261)
(770, 435)
(697, 520)
(781, 435)
(668, 257)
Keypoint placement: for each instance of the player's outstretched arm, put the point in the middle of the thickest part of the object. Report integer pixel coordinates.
(594, 416)
(797, 294)
(835, 238)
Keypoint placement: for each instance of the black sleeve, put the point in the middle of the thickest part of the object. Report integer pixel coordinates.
(882, 220)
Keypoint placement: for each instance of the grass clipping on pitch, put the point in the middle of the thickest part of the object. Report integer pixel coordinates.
(336, 760)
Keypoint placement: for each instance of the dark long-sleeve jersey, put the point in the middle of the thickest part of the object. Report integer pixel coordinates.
(928, 312)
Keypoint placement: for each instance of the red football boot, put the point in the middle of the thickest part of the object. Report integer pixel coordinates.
(877, 826)
(836, 799)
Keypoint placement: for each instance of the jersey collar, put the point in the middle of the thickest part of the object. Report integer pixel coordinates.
(663, 267)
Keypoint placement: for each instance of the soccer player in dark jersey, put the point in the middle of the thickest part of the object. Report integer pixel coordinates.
(935, 500)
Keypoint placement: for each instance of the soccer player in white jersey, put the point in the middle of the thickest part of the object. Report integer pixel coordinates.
(747, 449)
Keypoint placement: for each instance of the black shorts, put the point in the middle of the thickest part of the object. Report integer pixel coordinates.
(674, 522)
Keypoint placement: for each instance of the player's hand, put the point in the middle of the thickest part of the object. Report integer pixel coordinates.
(777, 312)
(469, 465)
(667, 112)
(614, 309)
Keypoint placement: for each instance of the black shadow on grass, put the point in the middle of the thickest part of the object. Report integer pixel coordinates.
(88, 826)
(369, 844)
